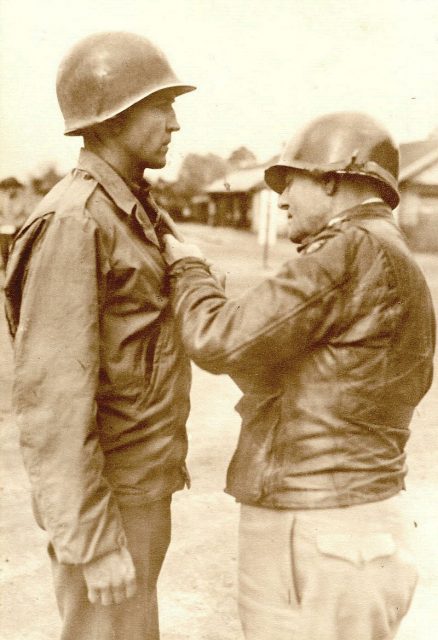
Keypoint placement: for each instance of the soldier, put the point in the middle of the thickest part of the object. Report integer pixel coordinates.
(101, 382)
(332, 355)
(12, 215)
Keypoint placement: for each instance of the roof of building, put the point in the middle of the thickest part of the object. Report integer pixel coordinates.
(239, 181)
(417, 156)
(242, 180)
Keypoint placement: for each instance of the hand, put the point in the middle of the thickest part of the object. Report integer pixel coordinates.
(175, 250)
(111, 578)
(219, 275)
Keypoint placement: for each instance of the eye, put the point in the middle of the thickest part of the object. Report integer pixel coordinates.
(164, 103)
(289, 180)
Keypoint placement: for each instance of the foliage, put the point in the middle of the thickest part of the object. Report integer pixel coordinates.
(241, 158)
(43, 183)
(197, 171)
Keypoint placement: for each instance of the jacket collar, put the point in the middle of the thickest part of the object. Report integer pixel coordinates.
(374, 208)
(118, 190)
(368, 209)
(109, 179)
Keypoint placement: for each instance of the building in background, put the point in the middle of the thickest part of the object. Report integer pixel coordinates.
(242, 200)
(418, 209)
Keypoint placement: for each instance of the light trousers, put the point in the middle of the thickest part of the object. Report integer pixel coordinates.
(147, 530)
(332, 574)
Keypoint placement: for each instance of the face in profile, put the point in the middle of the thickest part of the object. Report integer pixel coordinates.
(307, 204)
(144, 131)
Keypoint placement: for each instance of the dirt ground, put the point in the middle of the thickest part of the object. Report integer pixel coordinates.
(198, 582)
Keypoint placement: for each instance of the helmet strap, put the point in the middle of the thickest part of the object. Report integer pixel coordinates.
(331, 183)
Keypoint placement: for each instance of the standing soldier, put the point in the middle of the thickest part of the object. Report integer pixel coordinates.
(101, 388)
(12, 215)
(332, 355)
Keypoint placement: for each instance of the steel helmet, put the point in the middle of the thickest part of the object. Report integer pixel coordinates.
(108, 72)
(341, 143)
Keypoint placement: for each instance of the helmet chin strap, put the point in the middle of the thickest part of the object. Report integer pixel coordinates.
(374, 200)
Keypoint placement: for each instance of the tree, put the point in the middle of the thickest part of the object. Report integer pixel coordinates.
(43, 183)
(197, 171)
(241, 158)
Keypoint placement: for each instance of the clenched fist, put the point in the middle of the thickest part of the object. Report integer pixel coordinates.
(175, 250)
(111, 578)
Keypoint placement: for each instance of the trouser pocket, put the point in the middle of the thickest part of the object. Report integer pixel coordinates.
(353, 585)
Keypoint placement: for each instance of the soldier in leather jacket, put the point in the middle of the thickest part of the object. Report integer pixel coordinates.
(332, 355)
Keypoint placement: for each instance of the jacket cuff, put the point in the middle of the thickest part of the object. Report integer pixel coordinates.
(92, 539)
(185, 264)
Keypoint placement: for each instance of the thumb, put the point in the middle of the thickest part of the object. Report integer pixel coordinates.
(170, 241)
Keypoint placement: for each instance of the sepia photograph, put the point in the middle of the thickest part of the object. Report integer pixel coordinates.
(218, 292)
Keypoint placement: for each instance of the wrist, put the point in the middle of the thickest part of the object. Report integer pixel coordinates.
(185, 264)
(108, 554)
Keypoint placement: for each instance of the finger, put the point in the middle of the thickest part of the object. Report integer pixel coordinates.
(170, 240)
(172, 226)
(178, 235)
(106, 597)
(93, 596)
(131, 588)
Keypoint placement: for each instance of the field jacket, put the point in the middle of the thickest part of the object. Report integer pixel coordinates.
(101, 381)
(332, 355)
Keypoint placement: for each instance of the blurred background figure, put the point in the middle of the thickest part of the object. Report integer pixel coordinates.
(12, 214)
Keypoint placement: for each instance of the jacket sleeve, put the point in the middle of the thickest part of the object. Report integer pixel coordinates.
(275, 321)
(56, 377)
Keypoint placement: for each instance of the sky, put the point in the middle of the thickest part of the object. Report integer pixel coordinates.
(263, 69)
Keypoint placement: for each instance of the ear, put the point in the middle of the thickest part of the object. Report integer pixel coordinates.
(114, 125)
(98, 133)
(331, 182)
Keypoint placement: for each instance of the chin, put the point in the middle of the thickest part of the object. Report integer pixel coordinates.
(156, 164)
(293, 236)
(296, 238)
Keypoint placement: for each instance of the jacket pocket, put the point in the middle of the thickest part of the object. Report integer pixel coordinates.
(167, 366)
(161, 342)
(247, 472)
(357, 549)
(151, 359)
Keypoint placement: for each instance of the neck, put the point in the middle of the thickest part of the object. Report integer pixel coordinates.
(121, 162)
(344, 200)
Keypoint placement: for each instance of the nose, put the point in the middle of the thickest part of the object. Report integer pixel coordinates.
(282, 200)
(172, 122)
